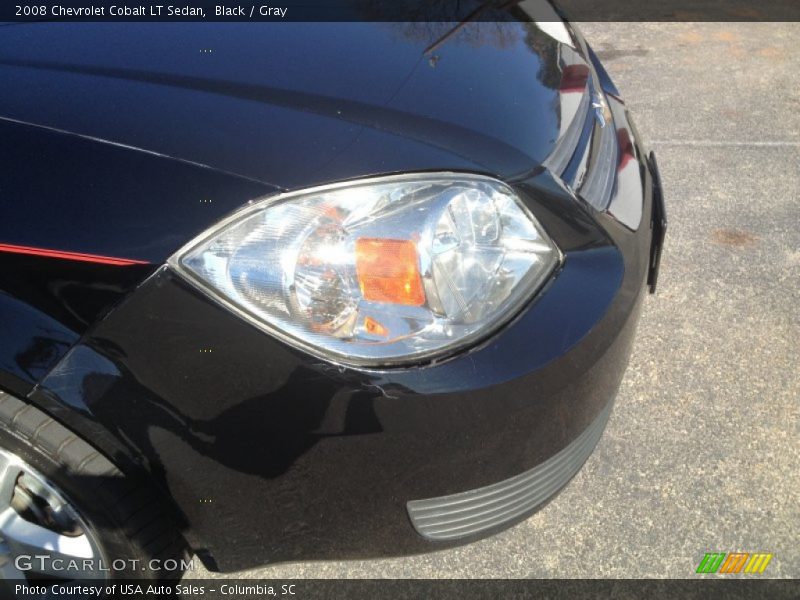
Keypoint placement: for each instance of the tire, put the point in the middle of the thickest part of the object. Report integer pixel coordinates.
(126, 517)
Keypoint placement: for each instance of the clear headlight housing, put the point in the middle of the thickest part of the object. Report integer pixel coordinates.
(380, 271)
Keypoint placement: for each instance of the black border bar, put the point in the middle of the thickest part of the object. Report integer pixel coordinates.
(702, 588)
(393, 10)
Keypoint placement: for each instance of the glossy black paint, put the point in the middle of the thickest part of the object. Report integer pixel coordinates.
(299, 458)
(33, 343)
(604, 78)
(362, 99)
(46, 305)
(65, 192)
(658, 224)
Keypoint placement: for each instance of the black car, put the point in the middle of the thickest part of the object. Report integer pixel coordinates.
(305, 290)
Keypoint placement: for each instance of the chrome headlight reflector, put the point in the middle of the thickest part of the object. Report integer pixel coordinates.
(379, 271)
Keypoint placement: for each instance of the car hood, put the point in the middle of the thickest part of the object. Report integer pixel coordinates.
(296, 104)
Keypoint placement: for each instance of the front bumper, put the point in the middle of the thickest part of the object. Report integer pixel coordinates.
(469, 513)
(269, 454)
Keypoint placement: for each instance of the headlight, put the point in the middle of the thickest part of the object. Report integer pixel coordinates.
(377, 271)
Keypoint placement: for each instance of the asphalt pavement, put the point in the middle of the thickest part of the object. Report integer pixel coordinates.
(701, 454)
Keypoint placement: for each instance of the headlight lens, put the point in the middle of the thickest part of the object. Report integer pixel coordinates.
(379, 271)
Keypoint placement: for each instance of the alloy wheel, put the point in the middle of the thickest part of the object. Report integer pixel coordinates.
(37, 521)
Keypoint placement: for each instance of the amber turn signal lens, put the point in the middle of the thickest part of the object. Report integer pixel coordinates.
(388, 271)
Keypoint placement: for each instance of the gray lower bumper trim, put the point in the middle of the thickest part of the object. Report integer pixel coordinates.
(471, 512)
